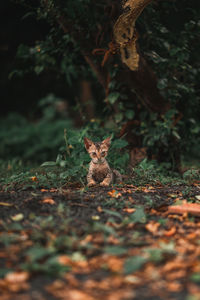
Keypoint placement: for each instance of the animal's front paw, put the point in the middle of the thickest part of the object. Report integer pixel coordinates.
(104, 183)
(91, 183)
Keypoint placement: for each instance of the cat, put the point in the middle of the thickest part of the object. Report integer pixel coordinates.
(99, 169)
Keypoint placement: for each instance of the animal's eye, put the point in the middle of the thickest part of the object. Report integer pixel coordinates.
(93, 154)
(103, 153)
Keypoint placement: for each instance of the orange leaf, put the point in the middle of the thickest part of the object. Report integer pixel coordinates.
(152, 227)
(99, 209)
(174, 286)
(64, 260)
(114, 194)
(129, 210)
(53, 190)
(115, 264)
(16, 277)
(49, 201)
(34, 178)
(170, 232)
(192, 208)
(192, 236)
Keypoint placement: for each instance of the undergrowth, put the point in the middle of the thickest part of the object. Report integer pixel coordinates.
(50, 152)
(14, 175)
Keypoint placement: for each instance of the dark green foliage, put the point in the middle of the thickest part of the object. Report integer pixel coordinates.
(74, 159)
(30, 142)
(168, 37)
(170, 42)
(133, 264)
(41, 141)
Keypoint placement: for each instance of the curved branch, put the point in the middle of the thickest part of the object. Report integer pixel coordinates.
(125, 34)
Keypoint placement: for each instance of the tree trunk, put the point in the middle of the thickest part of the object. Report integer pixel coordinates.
(144, 81)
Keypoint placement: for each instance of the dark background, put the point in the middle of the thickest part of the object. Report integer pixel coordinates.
(21, 94)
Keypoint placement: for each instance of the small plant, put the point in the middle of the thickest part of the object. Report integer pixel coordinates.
(73, 158)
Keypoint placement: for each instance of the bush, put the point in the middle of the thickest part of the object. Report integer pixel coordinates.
(54, 136)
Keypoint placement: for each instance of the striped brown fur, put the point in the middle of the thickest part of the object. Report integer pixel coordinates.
(99, 169)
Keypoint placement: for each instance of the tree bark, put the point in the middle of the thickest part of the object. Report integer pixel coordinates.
(144, 82)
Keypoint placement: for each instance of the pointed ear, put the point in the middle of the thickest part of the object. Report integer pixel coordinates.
(107, 141)
(87, 143)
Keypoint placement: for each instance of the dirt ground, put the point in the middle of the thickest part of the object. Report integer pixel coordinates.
(115, 243)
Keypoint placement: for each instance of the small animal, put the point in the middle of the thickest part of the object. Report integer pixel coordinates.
(99, 169)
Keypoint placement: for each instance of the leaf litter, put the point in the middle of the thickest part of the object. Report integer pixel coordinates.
(112, 243)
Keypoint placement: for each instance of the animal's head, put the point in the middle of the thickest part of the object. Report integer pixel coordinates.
(97, 151)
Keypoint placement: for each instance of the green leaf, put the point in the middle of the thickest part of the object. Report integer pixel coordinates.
(130, 114)
(115, 250)
(162, 83)
(113, 213)
(117, 144)
(113, 97)
(78, 256)
(119, 117)
(138, 216)
(48, 164)
(155, 254)
(104, 228)
(51, 266)
(175, 133)
(29, 14)
(195, 277)
(38, 69)
(38, 252)
(133, 264)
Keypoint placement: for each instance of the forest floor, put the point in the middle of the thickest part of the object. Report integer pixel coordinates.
(115, 243)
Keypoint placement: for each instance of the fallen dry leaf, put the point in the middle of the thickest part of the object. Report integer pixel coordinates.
(115, 264)
(64, 260)
(114, 194)
(6, 204)
(86, 240)
(48, 201)
(174, 286)
(192, 236)
(129, 210)
(12, 287)
(173, 265)
(44, 190)
(17, 217)
(113, 240)
(52, 190)
(95, 218)
(152, 227)
(16, 277)
(14, 282)
(34, 178)
(66, 293)
(170, 232)
(145, 190)
(99, 209)
(176, 275)
(191, 208)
